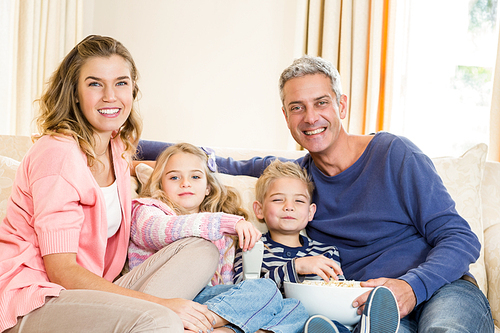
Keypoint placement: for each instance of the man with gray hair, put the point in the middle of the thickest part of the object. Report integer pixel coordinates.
(380, 200)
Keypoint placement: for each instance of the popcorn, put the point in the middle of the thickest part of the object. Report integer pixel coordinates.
(334, 283)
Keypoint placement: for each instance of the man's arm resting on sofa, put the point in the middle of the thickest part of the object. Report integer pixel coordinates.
(149, 150)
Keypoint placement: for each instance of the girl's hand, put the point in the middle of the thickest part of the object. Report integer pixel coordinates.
(319, 265)
(247, 234)
(195, 317)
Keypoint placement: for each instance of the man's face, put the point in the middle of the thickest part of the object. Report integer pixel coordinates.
(312, 112)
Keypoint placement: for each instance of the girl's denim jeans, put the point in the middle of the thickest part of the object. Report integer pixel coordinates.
(255, 304)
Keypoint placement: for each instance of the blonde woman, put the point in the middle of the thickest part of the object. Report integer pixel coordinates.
(64, 240)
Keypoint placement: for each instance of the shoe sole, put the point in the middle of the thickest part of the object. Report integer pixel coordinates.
(320, 324)
(381, 314)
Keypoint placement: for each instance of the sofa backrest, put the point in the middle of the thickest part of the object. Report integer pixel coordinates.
(14, 146)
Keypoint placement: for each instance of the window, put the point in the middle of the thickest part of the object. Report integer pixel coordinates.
(443, 73)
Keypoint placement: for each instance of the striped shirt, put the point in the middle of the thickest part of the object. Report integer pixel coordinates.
(278, 261)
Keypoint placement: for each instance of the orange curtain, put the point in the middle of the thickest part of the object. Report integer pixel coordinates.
(356, 36)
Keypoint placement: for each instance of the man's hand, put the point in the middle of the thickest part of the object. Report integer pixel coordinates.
(401, 289)
(319, 265)
(247, 234)
(194, 316)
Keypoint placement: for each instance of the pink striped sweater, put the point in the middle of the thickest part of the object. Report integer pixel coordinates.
(155, 225)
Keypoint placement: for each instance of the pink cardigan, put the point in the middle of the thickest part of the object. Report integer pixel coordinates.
(56, 206)
(155, 225)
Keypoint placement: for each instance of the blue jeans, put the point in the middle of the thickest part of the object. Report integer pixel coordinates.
(456, 307)
(255, 304)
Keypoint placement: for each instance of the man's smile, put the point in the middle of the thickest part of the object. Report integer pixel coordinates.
(316, 131)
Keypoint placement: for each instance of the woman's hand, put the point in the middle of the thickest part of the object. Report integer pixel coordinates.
(194, 316)
(247, 234)
(320, 265)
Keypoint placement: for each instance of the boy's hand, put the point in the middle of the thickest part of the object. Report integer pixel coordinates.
(319, 265)
(247, 234)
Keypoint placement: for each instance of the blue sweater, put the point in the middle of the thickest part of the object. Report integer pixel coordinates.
(389, 215)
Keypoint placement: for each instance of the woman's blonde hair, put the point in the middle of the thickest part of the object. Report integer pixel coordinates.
(60, 114)
(220, 199)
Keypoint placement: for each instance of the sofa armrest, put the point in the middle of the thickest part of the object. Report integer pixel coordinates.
(492, 261)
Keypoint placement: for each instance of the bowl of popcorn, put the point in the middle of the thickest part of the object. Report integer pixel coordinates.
(332, 299)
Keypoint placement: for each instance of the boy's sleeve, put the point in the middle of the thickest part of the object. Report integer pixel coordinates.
(238, 266)
(281, 273)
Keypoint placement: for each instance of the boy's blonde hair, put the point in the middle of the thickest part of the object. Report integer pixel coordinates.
(278, 169)
(220, 199)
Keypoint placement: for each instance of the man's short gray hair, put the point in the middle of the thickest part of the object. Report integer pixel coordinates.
(308, 65)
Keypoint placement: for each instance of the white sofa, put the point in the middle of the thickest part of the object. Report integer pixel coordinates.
(473, 182)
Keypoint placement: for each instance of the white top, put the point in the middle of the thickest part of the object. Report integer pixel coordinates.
(113, 208)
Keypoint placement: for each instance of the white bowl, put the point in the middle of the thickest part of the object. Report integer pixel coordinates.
(328, 300)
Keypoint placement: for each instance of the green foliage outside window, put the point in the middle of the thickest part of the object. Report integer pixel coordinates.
(482, 15)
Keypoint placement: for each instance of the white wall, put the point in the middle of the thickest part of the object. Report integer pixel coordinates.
(209, 68)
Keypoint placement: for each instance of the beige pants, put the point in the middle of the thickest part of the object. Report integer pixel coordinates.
(180, 270)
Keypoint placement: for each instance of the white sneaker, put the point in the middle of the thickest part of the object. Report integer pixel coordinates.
(320, 324)
(381, 313)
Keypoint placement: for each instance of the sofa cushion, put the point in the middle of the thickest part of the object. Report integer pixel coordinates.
(490, 194)
(8, 167)
(492, 258)
(245, 185)
(462, 176)
(14, 146)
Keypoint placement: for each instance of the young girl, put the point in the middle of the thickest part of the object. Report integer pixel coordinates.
(184, 197)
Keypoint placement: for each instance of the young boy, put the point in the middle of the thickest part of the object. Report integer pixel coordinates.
(283, 202)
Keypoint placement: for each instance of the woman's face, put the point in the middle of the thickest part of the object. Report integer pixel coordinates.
(184, 181)
(105, 93)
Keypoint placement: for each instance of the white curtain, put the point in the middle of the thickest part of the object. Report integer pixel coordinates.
(43, 31)
(494, 146)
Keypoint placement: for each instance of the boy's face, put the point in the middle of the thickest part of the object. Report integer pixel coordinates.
(286, 207)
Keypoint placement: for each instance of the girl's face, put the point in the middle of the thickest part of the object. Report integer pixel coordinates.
(184, 181)
(105, 93)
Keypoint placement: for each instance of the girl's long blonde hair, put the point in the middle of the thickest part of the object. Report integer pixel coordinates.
(220, 199)
(60, 114)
